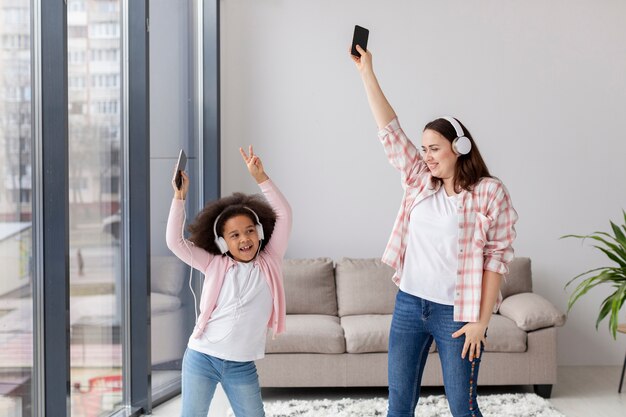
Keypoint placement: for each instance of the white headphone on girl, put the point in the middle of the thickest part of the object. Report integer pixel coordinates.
(461, 144)
(221, 242)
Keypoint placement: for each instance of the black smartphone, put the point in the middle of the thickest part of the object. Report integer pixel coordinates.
(180, 166)
(360, 38)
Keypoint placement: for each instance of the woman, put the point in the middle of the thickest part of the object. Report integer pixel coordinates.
(450, 247)
(238, 243)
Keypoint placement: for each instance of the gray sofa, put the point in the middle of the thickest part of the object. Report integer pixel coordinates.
(338, 320)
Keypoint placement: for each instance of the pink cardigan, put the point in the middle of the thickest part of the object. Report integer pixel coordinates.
(215, 267)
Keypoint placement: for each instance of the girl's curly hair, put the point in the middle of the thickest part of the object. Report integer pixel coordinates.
(202, 227)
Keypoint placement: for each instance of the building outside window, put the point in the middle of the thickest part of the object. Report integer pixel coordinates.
(96, 284)
(16, 295)
(95, 179)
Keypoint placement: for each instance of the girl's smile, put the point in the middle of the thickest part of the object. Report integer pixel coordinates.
(241, 237)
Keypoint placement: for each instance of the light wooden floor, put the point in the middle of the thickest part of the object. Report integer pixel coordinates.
(581, 391)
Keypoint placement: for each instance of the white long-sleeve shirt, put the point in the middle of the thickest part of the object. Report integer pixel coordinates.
(237, 328)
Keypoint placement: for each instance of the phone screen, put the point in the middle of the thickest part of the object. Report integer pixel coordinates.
(360, 38)
(180, 166)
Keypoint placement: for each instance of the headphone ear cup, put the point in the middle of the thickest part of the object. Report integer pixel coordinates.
(221, 244)
(462, 145)
(259, 232)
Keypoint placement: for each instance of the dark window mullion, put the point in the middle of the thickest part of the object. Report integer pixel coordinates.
(138, 217)
(55, 208)
(211, 167)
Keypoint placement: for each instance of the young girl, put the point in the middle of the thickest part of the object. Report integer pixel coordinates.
(450, 246)
(238, 243)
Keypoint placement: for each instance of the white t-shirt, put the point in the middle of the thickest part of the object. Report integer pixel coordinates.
(431, 258)
(237, 328)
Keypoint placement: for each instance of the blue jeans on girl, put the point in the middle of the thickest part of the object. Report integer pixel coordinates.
(201, 374)
(415, 323)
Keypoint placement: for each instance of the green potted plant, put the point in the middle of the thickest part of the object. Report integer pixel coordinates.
(613, 246)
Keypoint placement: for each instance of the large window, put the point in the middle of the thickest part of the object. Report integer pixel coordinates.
(96, 285)
(172, 304)
(67, 195)
(16, 295)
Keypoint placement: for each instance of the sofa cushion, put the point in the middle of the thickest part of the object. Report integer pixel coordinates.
(504, 336)
(163, 303)
(519, 278)
(531, 311)
(167, 274)
(308, 333)
(310, 286)
(368, 333)
(364, 286)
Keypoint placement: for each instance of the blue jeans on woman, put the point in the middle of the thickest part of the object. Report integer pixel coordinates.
(201, 374)
(415, 323)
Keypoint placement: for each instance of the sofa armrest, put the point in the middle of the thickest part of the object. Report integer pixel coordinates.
(531, 311)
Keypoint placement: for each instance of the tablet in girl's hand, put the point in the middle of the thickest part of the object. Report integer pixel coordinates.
(180, 166)
(360, 38)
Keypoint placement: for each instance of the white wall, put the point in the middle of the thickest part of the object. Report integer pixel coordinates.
(541, 86)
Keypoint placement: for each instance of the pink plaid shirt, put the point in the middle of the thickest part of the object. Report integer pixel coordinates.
(486, 223)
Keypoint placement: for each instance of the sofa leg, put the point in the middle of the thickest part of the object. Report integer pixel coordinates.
(543, 390)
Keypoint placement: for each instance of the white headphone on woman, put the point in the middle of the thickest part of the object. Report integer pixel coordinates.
(461, 144)
(221, 242)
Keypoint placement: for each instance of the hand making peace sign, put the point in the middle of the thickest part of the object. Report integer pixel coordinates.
(254, 164)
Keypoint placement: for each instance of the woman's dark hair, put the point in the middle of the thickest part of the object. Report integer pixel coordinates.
(469, 168)
(202, 227)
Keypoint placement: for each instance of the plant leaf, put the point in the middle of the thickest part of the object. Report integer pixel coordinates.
(619, 236)
(612, 256)
(616, 304)
(614, 247)
(604, 310)
(584, 273)
(586, 285)
(576, 236)
(620, 250)
(621, 247)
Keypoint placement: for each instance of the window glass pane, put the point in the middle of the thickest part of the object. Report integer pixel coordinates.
(94, 94)
(171, 129)
(16, 309)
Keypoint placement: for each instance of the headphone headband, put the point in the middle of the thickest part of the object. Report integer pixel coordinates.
(223, 211)
(455, 124)
(461, 144)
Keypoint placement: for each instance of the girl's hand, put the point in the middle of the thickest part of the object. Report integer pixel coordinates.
(474, 336)
(181, 193)
(254, 164)
(364, 62)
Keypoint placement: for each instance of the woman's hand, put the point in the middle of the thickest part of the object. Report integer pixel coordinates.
(364, 62)
(254, 164)
(180, 194)
(474, 336)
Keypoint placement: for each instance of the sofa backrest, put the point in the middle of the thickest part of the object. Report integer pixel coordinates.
(519, 279)
(310, 286)
(167, 274)
(364, 286)
(361, 286)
